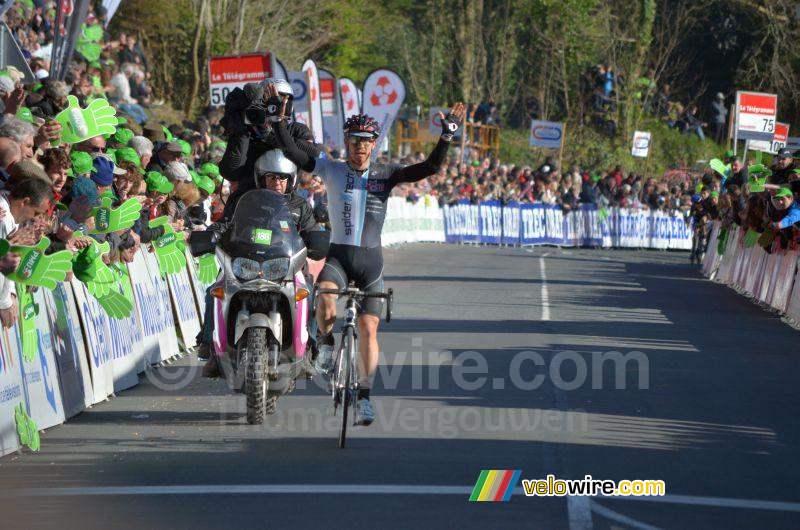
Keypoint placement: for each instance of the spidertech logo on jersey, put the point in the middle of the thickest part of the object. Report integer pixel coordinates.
(347, 204)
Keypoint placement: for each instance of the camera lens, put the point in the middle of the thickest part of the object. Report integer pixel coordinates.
(255, 115)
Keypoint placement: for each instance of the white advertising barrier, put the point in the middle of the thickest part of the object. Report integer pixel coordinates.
(40, 375)
(184, 307)
(74, 377)
(198, 287)
(412, 222)
(10, 388)
(793, 305)
(97, 345)
(783, 287)
(711, 259)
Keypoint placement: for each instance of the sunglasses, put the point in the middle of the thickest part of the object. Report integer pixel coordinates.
(95, 149)
(355, 140)
(275, 176)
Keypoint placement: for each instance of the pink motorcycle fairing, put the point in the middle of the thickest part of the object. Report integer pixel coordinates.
(300, 337)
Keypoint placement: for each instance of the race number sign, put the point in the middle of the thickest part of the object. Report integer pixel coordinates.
(755, 115)
(641, 144)
(779, 140)
(546, 134)
(227, 73)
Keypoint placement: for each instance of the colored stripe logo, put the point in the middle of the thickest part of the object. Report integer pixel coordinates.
(495, 485)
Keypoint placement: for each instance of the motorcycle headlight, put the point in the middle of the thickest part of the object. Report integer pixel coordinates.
(246, 269)
(275, 269)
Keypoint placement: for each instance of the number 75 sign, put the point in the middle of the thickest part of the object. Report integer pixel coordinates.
(755, 115)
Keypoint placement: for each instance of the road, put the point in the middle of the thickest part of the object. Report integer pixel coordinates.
(708, 405)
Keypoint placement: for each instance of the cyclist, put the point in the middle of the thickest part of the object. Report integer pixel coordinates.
(273, 171)
(358, 191)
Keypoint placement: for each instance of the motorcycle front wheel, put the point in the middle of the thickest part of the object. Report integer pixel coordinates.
(255, 384)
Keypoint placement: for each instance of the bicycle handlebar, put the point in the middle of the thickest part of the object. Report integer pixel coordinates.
(352, 291)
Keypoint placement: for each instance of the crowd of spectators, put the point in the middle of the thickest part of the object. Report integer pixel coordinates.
(49, 187)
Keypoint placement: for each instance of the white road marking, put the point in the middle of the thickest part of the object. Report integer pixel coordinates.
(620, 518)
(370, 489)
(579, 512)
(545, 294)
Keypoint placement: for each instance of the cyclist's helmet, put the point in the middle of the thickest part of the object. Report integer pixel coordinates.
(284, 89)
(275, 162)
(363, 126)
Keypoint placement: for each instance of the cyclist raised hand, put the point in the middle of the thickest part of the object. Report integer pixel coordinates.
(358, 192)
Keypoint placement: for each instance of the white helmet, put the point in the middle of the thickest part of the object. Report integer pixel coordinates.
(282, 85)
(274, 161)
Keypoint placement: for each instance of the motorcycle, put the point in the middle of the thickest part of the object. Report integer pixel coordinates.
(262, 300)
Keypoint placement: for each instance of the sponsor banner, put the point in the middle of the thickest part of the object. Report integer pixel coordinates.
(199, 288)
(539, 224)
(641, 144)
(511, 224)
(98, 344)
(384, 94)
(779, 140)
(408, 222)
(299, 81)
(348, 95)
(546, 134)
(332, 124)
(314, 100)
(184, 306)
(157, 314)
(461, 223)
(11, 393)
(280, 71)
(40, 375)
(73, 370)
(490, 214)
(755, 115)
(235, 71)
(793, 143)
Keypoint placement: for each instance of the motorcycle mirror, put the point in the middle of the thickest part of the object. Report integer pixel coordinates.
(201, 243)
(317, 244)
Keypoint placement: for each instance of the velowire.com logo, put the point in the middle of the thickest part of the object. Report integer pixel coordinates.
(495, 485)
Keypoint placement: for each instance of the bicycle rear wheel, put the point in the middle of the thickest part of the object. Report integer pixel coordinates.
(348, 359)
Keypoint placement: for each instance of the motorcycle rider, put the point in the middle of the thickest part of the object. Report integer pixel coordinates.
(358, 191)
(272, 171)
(249, 135)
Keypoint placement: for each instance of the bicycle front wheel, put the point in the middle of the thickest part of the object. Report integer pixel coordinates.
(348, 360)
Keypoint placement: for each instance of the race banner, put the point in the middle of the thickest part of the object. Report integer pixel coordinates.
(755, 115)
(546, 134)
(314, 101)
(98, 344)
(641, 144)
(11, 395)
(299, 81)
(332, 123)
(348, 94)
(156, 312)
(11, 55)
(793, 143)
(111, 7)
(235, 71)
(70, 15)
(779, 140)
(280, 71)
(384, 94)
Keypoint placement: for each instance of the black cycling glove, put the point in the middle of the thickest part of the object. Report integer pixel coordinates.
(450, 125)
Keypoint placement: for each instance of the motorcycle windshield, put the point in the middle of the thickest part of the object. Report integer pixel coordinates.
(262, 227)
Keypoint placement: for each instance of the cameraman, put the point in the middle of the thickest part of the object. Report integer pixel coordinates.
(250, 136)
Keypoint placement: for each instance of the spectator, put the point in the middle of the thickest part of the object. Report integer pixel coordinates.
(719, 113)
(691, 123)
(122, 94)
(143, 148)
(21, 132)
(783, 167)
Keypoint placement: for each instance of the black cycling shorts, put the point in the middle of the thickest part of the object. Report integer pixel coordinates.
(363, 266)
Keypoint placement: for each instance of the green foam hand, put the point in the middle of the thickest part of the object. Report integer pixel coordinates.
(38, 268)
(602, 214)
(207, 268)
(90, 50)
(27, 429)
(750, 238)
(79, 124)
(720, 167)
(171, 258)
(93, 33)
(722, 241)
(89, 267)
(766, 238)
(108, 219)
(118, 303)
(27, 326)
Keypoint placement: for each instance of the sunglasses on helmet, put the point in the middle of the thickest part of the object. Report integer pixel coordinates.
(275, 176)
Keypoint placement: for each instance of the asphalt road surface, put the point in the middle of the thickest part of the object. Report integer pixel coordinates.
(707, 402)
